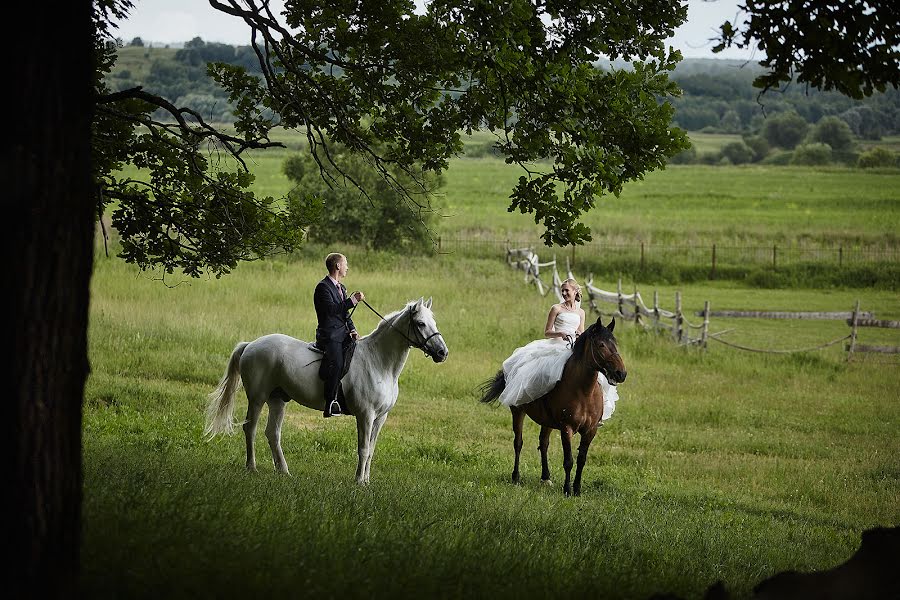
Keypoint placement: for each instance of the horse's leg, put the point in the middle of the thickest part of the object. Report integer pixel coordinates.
(273, 434)
(565, 435)
(518, 420)
(543, 446)
(364, 423)
(373, 437)
(586, 438)
(254, 407)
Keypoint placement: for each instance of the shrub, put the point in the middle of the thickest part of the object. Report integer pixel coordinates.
(779, 158)
(759, 145)
(385, 220)
(833, 131)
(685, 157)
(709, 158)
(816, 154)
(738, 153)
(785, 130)
(878, 157)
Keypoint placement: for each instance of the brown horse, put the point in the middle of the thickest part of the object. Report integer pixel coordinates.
(575, 405)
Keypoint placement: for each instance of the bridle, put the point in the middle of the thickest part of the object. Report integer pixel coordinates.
(601, 366)
(423, 345)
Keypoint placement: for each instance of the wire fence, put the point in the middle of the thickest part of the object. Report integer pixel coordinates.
(713, 257)
(631, 307)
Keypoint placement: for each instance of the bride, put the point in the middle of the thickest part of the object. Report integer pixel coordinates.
(534, 369)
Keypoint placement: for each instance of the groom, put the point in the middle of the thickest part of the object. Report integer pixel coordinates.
(336, 329)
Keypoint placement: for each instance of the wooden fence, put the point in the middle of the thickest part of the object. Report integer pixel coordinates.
(631, 307)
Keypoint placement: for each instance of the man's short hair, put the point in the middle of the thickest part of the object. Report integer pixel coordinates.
(332, 260)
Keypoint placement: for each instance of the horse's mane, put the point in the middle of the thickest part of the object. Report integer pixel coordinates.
(605, 333)
(389, 318)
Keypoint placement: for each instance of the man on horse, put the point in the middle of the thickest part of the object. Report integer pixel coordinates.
(335, 331)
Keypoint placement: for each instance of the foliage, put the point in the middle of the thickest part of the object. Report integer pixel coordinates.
(685, 157)
(186, 212)
(852, 46)
(879, 157)
(779, 158)
(759, 145)
(865, 122)
(408, 84)
(379, 219)
(814, 154)
(833, 131)
(738, 153)
(785, 130)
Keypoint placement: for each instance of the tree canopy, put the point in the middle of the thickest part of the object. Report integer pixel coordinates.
(397, 88)
(852, 46)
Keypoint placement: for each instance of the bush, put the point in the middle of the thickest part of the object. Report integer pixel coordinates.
(833, 131)
(685, 157)
(383, 221)
(816, 154)
(738, 153)
(709, 158)
(759, 145)
(785, 130)
(778, 158)
(878, 157)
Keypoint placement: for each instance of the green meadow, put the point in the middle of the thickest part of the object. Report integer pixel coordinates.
(717, 466)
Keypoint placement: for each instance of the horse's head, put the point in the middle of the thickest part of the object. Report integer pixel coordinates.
(600, 351)
(423, 332)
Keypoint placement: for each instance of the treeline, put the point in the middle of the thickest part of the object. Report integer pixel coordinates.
(719, 97)
(718, 94)
(180, 75)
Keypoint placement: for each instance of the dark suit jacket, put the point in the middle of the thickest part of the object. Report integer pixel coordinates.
(335, 323)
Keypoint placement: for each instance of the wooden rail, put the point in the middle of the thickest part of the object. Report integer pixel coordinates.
(631, 307)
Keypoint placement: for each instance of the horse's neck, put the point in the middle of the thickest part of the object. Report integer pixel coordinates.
(580, 374)
(388, 350)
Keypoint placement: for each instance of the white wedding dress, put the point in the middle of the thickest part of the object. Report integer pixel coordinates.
(534, 369)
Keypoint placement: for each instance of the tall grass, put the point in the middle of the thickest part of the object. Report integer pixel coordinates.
(715, 466)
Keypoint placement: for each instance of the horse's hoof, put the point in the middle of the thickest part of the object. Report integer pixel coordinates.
(546, 482)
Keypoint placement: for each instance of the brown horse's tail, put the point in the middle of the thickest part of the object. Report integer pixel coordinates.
(493, 387)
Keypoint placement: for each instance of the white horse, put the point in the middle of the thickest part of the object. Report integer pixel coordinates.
(277, 368)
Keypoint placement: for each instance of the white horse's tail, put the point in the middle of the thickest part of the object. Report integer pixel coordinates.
(220, 404)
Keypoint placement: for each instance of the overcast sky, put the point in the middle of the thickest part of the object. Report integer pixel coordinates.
(177, 21)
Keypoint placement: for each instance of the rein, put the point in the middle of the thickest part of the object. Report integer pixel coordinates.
(418, 345)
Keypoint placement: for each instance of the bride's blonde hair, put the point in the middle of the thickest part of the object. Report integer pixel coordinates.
(574, 285)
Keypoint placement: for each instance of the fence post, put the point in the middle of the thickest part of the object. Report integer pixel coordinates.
(679, 318)
(439, 243)
(840, 256)
(656, 311)
(642, 255)
(712, 274)
(774, 256)
(853, 324)
(637, 311)
(621, 301)
(705, 330)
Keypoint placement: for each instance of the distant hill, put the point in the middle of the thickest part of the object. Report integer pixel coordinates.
(719, 96)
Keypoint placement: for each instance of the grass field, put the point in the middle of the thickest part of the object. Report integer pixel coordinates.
(717, 466)
(682, 204)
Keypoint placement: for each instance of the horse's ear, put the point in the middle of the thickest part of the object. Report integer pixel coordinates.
(428, 302)
(612, 325)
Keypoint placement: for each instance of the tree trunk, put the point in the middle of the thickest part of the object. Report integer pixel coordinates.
(49, 217)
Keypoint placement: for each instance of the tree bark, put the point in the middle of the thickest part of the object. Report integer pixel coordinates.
(47, 232)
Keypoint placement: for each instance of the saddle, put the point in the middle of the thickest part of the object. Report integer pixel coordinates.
(349, 349)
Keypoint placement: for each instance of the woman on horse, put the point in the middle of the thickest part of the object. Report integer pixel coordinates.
(534, 369)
